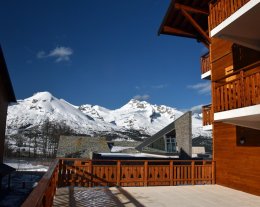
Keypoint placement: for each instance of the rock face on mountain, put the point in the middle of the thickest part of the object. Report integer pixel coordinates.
(35, 124)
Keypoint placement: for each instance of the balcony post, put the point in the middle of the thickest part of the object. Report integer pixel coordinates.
(242, 88)
(171, 172)
(213, 172)
(145, 173)
(192, 172)
(118, 173)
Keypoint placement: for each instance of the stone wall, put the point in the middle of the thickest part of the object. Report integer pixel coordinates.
(81, 146)
(184, 134)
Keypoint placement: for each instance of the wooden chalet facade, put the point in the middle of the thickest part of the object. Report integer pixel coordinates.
(230, 30)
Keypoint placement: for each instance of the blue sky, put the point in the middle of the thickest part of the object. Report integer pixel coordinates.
(100, 52)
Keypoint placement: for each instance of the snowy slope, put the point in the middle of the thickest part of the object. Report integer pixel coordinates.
(87, 119)
(42, 107)
(142, 116)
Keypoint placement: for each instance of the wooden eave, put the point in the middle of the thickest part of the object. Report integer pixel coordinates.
(5, 78)
(187, 18)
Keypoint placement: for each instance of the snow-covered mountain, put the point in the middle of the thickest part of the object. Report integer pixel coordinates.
(90, 120)
(42, 107)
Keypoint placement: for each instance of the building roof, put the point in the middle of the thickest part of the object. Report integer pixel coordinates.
(156, 136)
(184, 120)
(5, 78)
(187, 18)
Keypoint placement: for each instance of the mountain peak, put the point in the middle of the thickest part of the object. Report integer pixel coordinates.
(45, 95)
(91, 119)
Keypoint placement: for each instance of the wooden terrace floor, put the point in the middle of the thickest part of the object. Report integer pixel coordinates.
(177, 196)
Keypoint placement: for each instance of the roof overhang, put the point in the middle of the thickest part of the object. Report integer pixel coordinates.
(187, 18)
(5, 78)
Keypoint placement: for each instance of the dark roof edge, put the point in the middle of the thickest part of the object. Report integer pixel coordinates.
(7, 80)
(165, 17)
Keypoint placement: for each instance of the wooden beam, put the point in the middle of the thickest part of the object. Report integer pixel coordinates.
(191, 9)
(195, 25)
(171, 30)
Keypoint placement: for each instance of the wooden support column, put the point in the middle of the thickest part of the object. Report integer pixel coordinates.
(118, 173)
(171, 30)
(196, 25)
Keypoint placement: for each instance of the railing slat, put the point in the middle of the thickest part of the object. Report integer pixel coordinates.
(222, 9)
(241, 91)
(78, 172)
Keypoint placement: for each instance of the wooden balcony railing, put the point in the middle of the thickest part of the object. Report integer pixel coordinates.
(239, 89)
(222, 9)
(43, 194)
(207, 115)
(89, 173)
(205, 63)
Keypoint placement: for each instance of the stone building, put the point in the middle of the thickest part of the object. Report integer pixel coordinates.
(81, 146)
(174, 139)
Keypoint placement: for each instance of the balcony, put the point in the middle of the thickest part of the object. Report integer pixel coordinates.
(207, 115)
(236, 21)
(109, 173)
(205, 66)
(237, 97)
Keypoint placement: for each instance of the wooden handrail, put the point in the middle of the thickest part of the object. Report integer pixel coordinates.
(242, 91)
(248, 67)
(47, 185)
(100, 160)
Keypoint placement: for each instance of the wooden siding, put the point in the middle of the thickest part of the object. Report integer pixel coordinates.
(237, 165)
(235, 73)
(220, 10)
(220, 57)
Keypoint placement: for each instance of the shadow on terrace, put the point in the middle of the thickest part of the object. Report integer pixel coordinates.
(97, 196)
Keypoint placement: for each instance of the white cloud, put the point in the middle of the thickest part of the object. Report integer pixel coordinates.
(59, 53)
(196, 109)
(202, 88)
(161, 86)
(41, 54)
(144, 97)
(137, 87)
